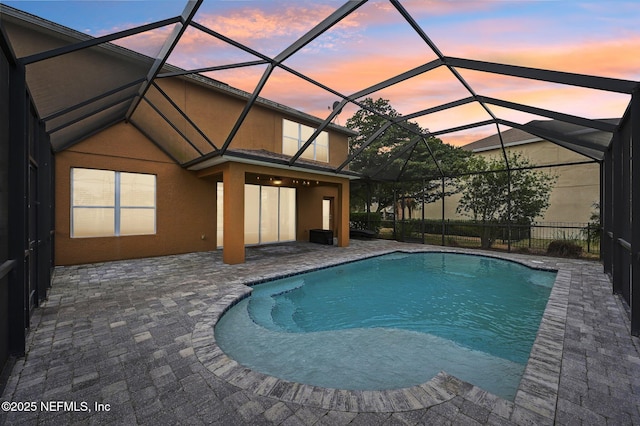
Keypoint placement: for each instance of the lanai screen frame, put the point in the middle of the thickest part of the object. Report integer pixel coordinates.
(621, 240)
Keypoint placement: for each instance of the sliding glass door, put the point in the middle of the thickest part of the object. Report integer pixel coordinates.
(269, 214)
(287, 214)
(251, 214)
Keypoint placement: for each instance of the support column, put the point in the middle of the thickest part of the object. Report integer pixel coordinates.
(233, 239)
(618, 217)
(343, 214)
(424, 193)
(443, 225)
(395, 213)
(45, 217)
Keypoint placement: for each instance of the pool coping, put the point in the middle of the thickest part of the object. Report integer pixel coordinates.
(535, 398)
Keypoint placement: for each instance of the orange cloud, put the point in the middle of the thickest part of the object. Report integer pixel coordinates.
(463, 140)
(267, 28)
(425, 8)
(468, 136)
(536, 43)
(608, 58)
(148, 43)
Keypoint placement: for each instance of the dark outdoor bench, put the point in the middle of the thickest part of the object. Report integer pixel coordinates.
(321, 236)
(361, 233)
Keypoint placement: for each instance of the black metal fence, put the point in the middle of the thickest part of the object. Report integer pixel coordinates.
(534, 238)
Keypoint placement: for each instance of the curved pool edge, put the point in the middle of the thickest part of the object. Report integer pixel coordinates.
(536, 394)
(439, 389)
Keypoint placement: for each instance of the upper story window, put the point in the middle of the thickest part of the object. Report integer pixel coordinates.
(106, 203)
(294, 136)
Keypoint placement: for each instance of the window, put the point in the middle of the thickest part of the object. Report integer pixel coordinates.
(294, 136)
(105, 203)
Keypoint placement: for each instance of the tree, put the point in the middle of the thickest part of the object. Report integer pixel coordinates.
(491, 195)
(375, 155)
(415, 167)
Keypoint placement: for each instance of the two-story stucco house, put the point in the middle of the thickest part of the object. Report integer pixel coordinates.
(163, 176)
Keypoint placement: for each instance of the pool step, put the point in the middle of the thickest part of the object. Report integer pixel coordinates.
(259, 309)
(282, 315)
(264, 310)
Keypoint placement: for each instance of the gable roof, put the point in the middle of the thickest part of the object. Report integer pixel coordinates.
(60, 87)
(510, 137)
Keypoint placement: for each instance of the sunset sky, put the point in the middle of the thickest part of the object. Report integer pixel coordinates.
(375, 43)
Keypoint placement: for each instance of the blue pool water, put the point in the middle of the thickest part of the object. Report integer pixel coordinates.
(393, 321)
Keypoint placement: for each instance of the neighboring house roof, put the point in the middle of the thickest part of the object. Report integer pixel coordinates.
(513, 137)
(509, 137)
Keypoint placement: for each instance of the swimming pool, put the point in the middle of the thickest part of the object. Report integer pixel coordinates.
(392, 322)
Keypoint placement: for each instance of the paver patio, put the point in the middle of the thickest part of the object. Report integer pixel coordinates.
(135, 335)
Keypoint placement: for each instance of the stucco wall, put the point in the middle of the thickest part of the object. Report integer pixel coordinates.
(310, 209)
(185, 204)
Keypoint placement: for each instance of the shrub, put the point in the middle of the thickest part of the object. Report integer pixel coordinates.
(365, 221)
(407, 227)
(563, 248)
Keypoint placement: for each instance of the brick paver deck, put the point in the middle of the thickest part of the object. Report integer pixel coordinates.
(136, 336)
